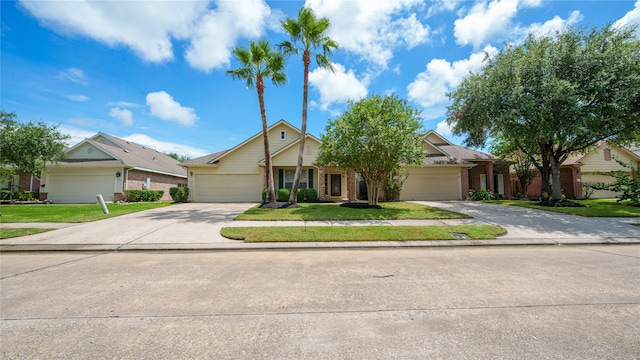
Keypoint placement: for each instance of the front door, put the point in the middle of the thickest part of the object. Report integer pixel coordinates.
(336, 185)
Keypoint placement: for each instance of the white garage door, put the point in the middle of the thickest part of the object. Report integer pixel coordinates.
(228, 188)
(80, 189)
(600, 194)
(432, 184)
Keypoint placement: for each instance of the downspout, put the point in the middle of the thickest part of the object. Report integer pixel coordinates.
(125, 186)
(31, 183)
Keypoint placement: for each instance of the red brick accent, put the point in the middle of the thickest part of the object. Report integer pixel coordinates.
(136, 180)
(464, 182)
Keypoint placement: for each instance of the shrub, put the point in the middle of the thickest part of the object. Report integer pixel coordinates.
(26, 196)
(264, 195)
(302, 195)
(312, 194)
(480, 195)
(6, 195)
(626, 183)
(179, 194)
(283, 194)
(143, 195)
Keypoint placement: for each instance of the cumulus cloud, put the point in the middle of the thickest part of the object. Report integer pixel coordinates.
(216, 33)
(74, 75)
(78, 97)
(149, 27)
(336, 87)
(146, 27)
(444, 129)
(122, 114)
(484, 21)
(630, 18)
(553, 25)
(164, 146)
(163, 106)
(441, 76)
(373, 29)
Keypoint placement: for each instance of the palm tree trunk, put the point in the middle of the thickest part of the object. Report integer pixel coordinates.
(271, 193)
(306, 59)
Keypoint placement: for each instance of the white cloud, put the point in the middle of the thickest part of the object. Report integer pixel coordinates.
(163, 106)
(124, 104)
(216, 33)
(164, 146)
(630, 18)
(372, 29)
(78, 97)
(76, 134)
(146, 27)
(441, 6)
(336, 87)
(430, 87)
(443, 128)
(553, 25)
(484, 21)
(122, 114)
(74, 75)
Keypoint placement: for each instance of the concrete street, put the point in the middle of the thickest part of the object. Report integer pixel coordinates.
(526, 302)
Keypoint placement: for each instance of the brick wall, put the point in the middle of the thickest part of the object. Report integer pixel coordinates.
(138, 178)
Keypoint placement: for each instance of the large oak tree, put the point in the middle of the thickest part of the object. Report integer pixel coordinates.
(553, 96)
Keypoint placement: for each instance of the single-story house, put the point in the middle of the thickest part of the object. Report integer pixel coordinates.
(107, 165)
(237, 174)
(584, 168)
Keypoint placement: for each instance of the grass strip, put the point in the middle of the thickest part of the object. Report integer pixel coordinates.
(359, 233)
(593, 208)
(11, 233)
(71, 213)
(334, 212)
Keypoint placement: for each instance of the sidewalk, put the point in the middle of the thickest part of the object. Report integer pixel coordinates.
(195, 226)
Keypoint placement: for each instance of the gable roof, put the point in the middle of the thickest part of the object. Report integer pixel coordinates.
(634, 151)
(127, 153)
(212, 158)
(449, 153)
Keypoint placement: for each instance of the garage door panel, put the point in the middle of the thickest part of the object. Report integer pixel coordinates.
(600, 194)
(432, 184)
(228, 188)
(79, 189)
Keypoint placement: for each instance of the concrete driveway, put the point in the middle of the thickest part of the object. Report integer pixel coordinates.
(197, 226)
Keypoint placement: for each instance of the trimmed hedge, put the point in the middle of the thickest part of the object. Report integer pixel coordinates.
(311, 194)
(143, 195)
(283, 195)
(19, 196)
(179, 194)
(302, 195)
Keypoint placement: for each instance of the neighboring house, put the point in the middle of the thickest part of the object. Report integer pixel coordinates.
(107, 165)
(21, 181)
(237, 174)
(585, 168)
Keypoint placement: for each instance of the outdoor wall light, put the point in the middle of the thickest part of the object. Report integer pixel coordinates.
(191, 173)
(118, 174)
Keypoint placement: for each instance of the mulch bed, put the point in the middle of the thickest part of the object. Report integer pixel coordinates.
(359, 205)
(279, 205)
(559, 203)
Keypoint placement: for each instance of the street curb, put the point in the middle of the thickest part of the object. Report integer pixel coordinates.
(313, 246)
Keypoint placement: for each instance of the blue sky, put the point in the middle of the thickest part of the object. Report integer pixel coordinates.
(154, 71)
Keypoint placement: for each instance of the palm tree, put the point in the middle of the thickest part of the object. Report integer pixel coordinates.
(260, 61)
(307, 33)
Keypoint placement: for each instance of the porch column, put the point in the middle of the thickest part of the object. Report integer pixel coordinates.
(321, 184)
(464, 183)
(577, 182)
(490, 183)
(351, 185)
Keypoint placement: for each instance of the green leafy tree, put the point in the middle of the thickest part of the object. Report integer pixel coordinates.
(553, 96)
(28, 146)
(627, 183)
(258, 62)
(306, 33)
(522, 164)
(180, 158)
(375, 136)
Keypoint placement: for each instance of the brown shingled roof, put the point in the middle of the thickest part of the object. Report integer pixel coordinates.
(129, 154)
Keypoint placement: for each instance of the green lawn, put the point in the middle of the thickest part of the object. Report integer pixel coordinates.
(594, 208)
(359, 233)
(70, 213)
(334, 212)
(10, 233)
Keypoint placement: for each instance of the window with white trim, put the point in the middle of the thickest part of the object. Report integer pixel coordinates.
(289, 176)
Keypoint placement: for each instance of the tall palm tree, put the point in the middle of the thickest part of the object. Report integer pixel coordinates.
(307, 33)
(258, 62)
